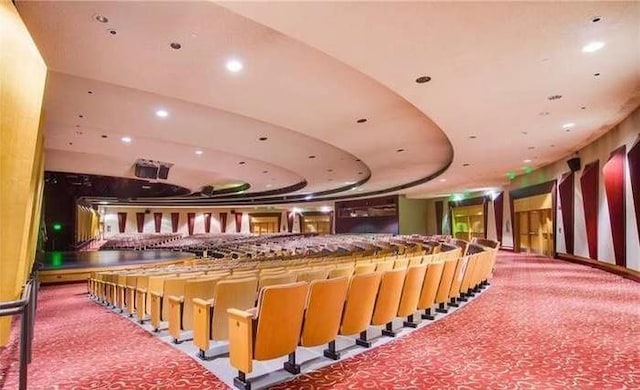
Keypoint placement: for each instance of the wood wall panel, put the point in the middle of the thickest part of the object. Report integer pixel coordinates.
(175, 222)
(614, 184)
(566, 192)
(589, 185)
(633, 158)
(498, 210)
(140, 222)
(157, 221)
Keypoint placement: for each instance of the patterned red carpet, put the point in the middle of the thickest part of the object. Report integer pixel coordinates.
(543, 324)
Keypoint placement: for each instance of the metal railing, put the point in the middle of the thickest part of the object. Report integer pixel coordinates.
(26, 308)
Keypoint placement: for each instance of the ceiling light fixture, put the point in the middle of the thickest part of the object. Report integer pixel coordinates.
(596, 19)
(527, 161)
(554, 97)
(568, 125)
(102, 19)
(400, 150)
(242, 163)
(175, 45)
(473, 137)
(312, 156)
(112, 31)
(263, 138)
(269, 185)
(361, 120)
(265, 171)
(596, 74)
(443, 180)
(308, 197)
(162, 113)
(199, 152)
(234, 66)
(592, 46)
(466, 164)
(423, 79)
(126, 139)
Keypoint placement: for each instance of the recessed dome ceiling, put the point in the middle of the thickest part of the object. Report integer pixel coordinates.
(252, 90)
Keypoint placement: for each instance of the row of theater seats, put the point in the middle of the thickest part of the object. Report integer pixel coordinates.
(318, 300)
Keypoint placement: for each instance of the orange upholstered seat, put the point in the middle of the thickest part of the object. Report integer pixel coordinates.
(210, 318)
(181, 306)
(411, 289)
(272, 333)
(430, 288)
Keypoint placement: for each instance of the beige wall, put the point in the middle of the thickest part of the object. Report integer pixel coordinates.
(22, 80)
(413, 215)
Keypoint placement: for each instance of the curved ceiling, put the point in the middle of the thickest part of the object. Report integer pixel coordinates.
(304, 102)
(312, 69)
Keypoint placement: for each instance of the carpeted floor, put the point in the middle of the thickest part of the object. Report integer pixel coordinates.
(544, 324)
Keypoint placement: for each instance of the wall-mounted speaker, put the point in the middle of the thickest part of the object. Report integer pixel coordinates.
(146, 171)
(207, 190)
(163, 172)
(147, 211)
(574, 164)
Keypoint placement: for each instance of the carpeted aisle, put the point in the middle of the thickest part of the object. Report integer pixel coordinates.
(543, 324)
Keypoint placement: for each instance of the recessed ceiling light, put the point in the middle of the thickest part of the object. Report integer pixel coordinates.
(146, 187)
(265, 171)
(358, 160)
(175, 45)
(269, 185)
(596, 74)
(102, 19)
(234, 66)
(112, 31)
(568, 125)
(527, 161)
(592, 47)
(473, 137)
(199, 152)
(554, 97)
(126, 139)
(361, 120)
(312, 156)
(104, 136)
(400, 150)
(308, 197)
(263, 138)
(242, 163)
(466, 164)
(583, 108)
(443, 180)
(423, 79)
(90, 92)
(329, 170)
(80, 116)
(349, 182)
(162, 113)
(596, 19)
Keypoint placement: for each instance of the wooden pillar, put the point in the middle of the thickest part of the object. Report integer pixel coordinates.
(22, 75)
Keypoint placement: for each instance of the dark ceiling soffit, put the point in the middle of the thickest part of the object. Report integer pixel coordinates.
(253, 199)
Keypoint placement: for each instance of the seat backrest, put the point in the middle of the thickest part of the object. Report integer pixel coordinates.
(458, 276)
(203, 288)
(364, 268)
(430, 285)
(175, 287)
(245, 273)
(415, 261)
(231, 293)
(470, 273)
(445, 281)
(413, 281)
(280, 314)
(132, 280)
(385, 266)
(341, 271)
(361, 299)
(401, 263)
(270, 280)
(388, 296)
(310, 276)
(324, 311)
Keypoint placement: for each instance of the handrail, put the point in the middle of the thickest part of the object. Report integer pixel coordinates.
(26, 307)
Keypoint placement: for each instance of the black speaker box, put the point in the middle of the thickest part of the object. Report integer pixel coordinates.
(146, 172)
(574, 164)
(207, 190)
(163, 172)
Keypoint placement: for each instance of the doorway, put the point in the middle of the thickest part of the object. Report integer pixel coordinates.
(533, 225)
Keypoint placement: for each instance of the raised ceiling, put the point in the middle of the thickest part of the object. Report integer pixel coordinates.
(311, 70)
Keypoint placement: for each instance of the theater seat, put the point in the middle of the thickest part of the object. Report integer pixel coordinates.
(210, 319)
(324, 311)
(387, 302)
(430, 288)
(411, 294)
(280, 278)
(181, 306)
(442, 296)
(273, 332)
(311, 275)
(365, 268)
(385, 266)
(160, 302)
(341, 271)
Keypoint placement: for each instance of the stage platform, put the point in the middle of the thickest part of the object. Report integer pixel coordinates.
(59, 267)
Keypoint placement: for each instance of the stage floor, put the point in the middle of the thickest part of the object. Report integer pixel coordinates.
(103, 259)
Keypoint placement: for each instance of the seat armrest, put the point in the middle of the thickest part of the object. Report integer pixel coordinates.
(173, 298)
(241, 340)
(142, 290)
(198, 302)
